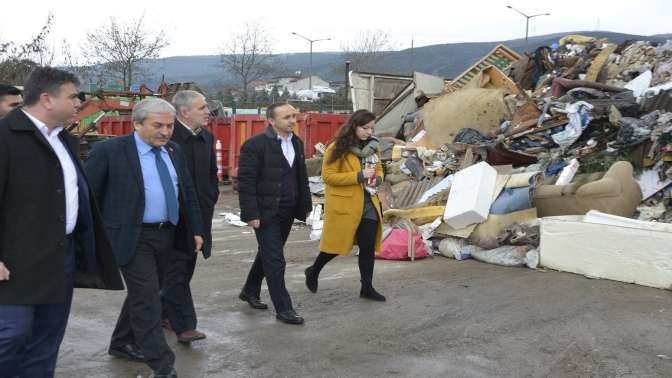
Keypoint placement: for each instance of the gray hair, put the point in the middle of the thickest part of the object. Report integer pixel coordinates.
(184, 98)
(151, 105)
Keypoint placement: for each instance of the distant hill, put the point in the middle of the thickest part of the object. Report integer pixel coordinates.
(447, 60)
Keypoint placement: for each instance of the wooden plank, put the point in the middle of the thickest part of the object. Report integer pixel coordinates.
(599, 62)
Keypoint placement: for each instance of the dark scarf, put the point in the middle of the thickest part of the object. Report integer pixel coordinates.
(369, 148)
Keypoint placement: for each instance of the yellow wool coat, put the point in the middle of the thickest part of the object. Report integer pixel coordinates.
(344, 203)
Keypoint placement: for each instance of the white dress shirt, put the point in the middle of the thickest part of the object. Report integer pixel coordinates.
(69, 172)
(287, 148)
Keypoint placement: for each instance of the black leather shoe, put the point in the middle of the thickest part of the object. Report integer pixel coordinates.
(128, 351)
(172, 374)
(254, 302)
(289, 317)
(311, 279)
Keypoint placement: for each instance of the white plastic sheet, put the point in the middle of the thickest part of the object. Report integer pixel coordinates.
(233, 219)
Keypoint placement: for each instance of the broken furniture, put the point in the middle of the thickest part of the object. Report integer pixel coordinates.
(615, 193)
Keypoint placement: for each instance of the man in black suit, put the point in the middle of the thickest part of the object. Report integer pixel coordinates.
(10, 99)
(51, 234)
(144, 188)
(273, 191)
(197, 143)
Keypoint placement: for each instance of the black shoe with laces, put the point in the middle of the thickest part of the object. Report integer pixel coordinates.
(289, 317)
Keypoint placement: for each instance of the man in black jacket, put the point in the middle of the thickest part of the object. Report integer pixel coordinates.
(144, 189)
(10, 99)
(273, 191)
(51, 233)
(198, 146)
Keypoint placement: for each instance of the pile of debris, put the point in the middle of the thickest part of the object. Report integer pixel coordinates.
(578, 126)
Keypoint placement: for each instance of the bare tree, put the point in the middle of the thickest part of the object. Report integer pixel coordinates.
(16, 61)
(367, 51)
(71, 62)
(249, 55)
(120, 48)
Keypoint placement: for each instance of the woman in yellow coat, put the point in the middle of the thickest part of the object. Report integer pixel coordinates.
(352, 215)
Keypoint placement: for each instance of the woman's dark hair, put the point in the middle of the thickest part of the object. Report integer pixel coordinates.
(346, 137)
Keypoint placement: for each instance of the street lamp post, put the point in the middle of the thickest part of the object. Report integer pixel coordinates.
(310, 67)
(527, 21)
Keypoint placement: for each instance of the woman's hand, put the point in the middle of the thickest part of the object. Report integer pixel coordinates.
(369, 172)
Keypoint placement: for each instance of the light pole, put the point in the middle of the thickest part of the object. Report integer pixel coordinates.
(310, 69)
(527, 21)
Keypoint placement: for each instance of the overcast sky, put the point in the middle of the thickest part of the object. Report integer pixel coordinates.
(200, 28)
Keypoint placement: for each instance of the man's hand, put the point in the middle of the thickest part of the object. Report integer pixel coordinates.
(4, 272)
(199, 243)
(255, 223)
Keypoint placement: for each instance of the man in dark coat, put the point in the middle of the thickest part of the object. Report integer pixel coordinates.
(197, 143)
(10, 99)
(144, 190)
(273, 192)
(51, 233)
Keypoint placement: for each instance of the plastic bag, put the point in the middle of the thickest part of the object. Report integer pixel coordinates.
(316, 222)
(470, 136)
(398, 246)
(456, 248)
(507, 255)
(450, 247)
(578, 121)
(532, 258)
(315, 234)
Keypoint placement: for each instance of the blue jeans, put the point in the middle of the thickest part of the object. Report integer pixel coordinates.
(30, 335)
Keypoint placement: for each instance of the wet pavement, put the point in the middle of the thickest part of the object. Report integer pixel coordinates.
(443, 318)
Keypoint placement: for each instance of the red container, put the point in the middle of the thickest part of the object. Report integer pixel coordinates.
(115, 125)
(321, 129)
(233, 132)
(243, 127)
(220, 127)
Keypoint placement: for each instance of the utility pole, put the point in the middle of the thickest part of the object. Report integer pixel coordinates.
(412, 55)
(310, 67)
(527, 22)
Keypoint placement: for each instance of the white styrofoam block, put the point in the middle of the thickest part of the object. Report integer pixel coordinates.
(470, 196)
(617, 250)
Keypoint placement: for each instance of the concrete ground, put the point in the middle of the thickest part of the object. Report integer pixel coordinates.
(443, 318)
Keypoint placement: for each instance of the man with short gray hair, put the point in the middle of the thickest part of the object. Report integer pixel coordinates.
(143, 186)
(198, 146)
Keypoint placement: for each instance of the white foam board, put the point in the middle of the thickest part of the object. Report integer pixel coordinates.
(471, 195)
(599, 246)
